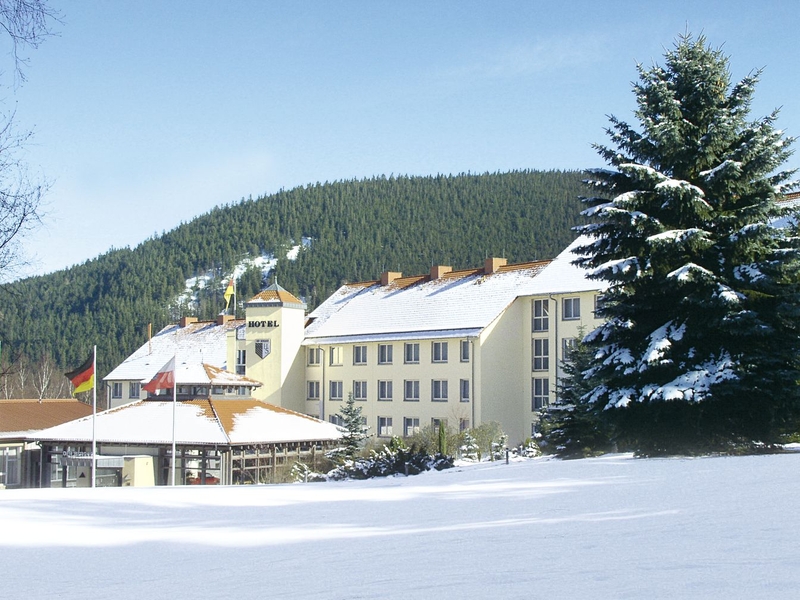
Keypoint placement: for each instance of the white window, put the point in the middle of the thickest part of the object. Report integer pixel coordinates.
(439, 352)
(596, 303)
(541, 393)
(411, 353)
(263, 348)
(336, 353)
(359, 355)
(463, 425)
(243, 391)
(134, 389)
(116, 389)
(439, 390)
(411, 393)
(541, 315)
(567, 345)
(241, 361)
(464, 390)
(385, 390)
(410, 426)
(464, 350)
(313, 390)
(385, 354)
(359, 390)
(437, 422)
(337, 390)
(541, 354)
(217, 390)
(337, 420)
(314, 356)
(9, 466)
(384, 426)
(572, 309)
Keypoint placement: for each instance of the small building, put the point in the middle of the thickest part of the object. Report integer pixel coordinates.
(20, 422)
(221, 437)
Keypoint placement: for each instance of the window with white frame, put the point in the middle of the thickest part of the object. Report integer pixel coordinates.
(385, 354)
(572, 309)
(134, 389)
(359, 390)
(596, 306)
(464, 351)
(410, 426)
(313, 390)
(10, 466)
(541, 354)
(567, 346)
(464, 390)
(336, 390)
(439, 390)
(541, 315)
(116, 389)
(384, 426)
(385, 391)
(437, 422)
(337, 420)
(411, 353)
(411, 392)
(314, 356)
(241, 362)
(439, 352)
(359, 355)
(541, 393)
(463, 425)
(336, 354)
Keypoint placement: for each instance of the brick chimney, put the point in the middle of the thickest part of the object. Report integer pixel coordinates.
(438, 270)
(388, 277)
(490, 265)
(187, 321)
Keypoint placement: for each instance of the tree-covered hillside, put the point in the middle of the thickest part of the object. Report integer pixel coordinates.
(358, 229)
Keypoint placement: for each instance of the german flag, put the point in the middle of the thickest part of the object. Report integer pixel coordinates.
(82, 377)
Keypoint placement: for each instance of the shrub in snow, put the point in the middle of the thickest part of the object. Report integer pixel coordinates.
(393, 459)
(527, 449)
(469, 448)
(700, 345)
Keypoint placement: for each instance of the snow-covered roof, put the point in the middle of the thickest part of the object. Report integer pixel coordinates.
(194, 344)
(457, 304)
(202, 422)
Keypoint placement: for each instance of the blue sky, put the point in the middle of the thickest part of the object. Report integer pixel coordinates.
(149, 113)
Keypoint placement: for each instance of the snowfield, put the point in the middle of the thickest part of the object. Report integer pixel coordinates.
(611, 527)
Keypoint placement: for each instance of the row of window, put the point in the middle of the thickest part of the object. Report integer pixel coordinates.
(410, 425)
(570, 311)
(135, 390)
(439, 354)
(440, 391)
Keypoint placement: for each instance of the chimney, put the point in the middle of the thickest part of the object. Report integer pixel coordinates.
(438, 270)
(388, 277)
(222, 319)
(490, 265)
(188, 321)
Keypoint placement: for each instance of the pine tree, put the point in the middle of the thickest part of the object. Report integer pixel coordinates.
(700, 345)
(354, 432)
(573, 427)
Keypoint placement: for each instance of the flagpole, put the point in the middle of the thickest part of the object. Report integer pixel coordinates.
(94, 418)
(174, 404)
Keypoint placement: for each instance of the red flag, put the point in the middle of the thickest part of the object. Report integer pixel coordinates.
(164, 379)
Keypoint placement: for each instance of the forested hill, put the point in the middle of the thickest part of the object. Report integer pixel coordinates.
(357, 229)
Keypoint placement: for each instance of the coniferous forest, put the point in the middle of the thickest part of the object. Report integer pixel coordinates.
(357, 228)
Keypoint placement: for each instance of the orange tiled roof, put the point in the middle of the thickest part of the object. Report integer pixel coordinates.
(32, 415)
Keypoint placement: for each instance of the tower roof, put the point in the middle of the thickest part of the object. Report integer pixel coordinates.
(275, 295)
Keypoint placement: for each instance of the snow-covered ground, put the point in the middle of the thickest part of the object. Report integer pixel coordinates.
(612, 527)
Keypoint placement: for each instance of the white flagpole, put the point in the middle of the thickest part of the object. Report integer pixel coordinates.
(174, 404)
(94, 418)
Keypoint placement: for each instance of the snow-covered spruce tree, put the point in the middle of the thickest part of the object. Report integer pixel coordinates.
(571, 427)
(700, 347)
(354, 432)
